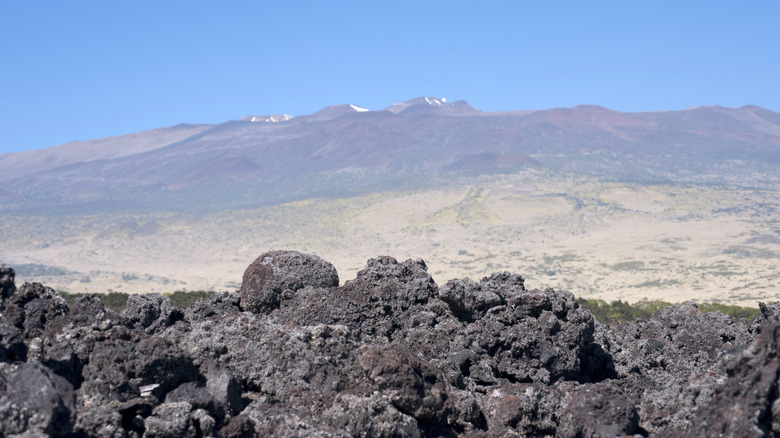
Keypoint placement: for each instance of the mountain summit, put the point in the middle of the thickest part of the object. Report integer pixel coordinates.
(344, 149)
(429, 103)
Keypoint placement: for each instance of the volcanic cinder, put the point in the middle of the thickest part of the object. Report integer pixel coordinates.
(389, 353)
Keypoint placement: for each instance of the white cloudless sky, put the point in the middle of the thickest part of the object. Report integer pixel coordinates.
(79, 70)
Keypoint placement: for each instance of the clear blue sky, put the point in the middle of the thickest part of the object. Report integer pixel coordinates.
(77, 70)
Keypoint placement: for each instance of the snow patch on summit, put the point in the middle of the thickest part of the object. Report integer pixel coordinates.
(268, 119)
(433, 101)
(358, 109)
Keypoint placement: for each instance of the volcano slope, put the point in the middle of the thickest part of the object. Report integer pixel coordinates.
(388, 354)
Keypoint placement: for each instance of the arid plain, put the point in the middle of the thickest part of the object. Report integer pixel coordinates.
(596, 238)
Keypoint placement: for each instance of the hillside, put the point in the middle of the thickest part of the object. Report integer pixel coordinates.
(670, 205)
(345, 149)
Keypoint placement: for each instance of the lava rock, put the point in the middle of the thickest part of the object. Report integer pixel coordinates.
(383, 301)
(539, 336)
(767, 315)
(387, 354)
(599, 410)
(239, 427)
(7, 284)
(152, 312)
(198, 396)
(224, 385)
(410, 386)
(469, 301)
(276, 275)
(747, 404)
(673, 361)
(170, 420)
(32, 307)
(523, 409)
(35, 400)
(12, 346)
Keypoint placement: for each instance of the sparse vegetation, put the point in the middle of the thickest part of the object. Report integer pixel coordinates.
(628, 266)
(115, 301)
(129, 277)
(621, 311)
(630, 240)
(186, 299)
(30, 270)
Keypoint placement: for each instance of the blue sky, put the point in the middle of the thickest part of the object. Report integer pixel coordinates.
(78, 70)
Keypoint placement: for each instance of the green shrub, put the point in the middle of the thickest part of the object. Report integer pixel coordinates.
(185, 299)
(620, 311)
(736, 311)
(115, 301)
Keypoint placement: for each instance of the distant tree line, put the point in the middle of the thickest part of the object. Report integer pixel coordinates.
(621, 311)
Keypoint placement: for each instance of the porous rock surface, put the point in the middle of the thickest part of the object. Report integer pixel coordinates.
(388, 354)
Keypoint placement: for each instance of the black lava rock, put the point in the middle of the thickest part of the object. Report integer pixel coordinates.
(388, 354)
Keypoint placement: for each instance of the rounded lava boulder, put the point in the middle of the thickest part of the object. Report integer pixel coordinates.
(276, 275)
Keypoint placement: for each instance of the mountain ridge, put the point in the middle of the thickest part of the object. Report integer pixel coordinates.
(344, 147)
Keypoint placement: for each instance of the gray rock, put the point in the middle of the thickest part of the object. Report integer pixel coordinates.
(239, 427)
(35, 400)
(539, 336)
(276, 275)
(467, 300)
(596, 411)
(410, 386)
(32, 307)
(224, 386)
(152, 312)
(223, 304)
(373, 416)
(672, 362)
(198, 396)
(747, 404)
(767, 315)
(386, 354)
(12, 346)
(383, 301)
(205, 425)
(7, 285)
(525, 409)
(170, 420)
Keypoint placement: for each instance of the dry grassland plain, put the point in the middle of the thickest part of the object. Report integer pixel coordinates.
(597, 239)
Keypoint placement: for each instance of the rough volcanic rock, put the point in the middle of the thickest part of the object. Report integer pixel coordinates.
(598, 410)
(170, 420)
(383, 300)
(767, 315)
(223, 384)
(470, 301)
(12, 346)
(152, 312)
(747, 404)
(109, 359)
(32, 307)
(7, 284)
(239, 427)
(387, 354)
(673, 361)
(276, 275)
(412, 387)
(522, 409)
(540, 336)
(34, 399)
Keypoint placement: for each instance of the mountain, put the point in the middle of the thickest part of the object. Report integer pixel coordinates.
(346, 149)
